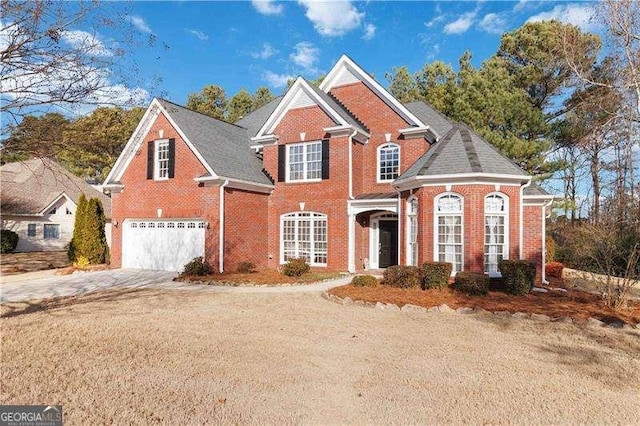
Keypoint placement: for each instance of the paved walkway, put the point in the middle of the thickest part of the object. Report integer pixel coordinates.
(36, 286)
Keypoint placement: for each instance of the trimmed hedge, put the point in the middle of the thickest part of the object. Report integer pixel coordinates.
(435, 275)
(364, 281)
(295, 267)
(197, 267)
(402, 276)
(8, 241)
(472, 283)
(517, 276)
(554, 269)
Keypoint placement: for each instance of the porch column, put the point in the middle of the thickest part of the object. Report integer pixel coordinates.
(352, 241)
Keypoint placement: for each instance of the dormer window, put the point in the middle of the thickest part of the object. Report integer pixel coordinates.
(388, 162)
(161, 159)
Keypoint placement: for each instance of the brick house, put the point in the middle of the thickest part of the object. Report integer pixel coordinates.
(344, 175)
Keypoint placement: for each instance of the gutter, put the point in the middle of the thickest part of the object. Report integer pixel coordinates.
(221, 228)
(544, 241)
(355, 132)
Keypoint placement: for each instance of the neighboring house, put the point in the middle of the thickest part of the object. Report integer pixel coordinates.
(38, 201)
(343, 175)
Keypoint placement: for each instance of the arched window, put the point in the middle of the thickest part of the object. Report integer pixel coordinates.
(304, 235)
(388, 162)
(449, 230)
(496, 230)
(412, 231)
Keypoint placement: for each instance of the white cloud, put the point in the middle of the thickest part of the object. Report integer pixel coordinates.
(369, 31)
(86, 42)
(434, 21)
(276, 80)
(493, 23)
(580, 15)
(462, 24)
(199, 34)
(139, 23)
(266, 52)
(332, 18)
(305, 55)
(267, 7)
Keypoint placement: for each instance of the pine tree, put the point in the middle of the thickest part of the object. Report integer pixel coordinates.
(95, 247)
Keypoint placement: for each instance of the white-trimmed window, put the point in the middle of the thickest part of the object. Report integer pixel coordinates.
(161, 168)
(304, 235)
(449, 230)
(51, 231)
(388, 162)
(412, 231)
(304, 161)
(31, 230)
(496, 231)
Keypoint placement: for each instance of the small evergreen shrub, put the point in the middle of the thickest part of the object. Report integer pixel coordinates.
(8, 241)
(246, 268)
(472, 283)
(81, 262)
(550, 246)
(402, 276)
(517, 276)
(197, 267)
(435, 275)
(364, 281)
(295, 267)
(554, 269)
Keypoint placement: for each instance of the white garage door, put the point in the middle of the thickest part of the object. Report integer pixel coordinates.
(164, 245)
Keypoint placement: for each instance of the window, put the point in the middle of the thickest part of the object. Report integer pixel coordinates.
(51, 232)
(162, 159)
(412, 232)
(53, 210)
(449, 230)
(495, 231)
(304, 161)
(304, 235)
(388, 162)
(69, 211)
(31, 230)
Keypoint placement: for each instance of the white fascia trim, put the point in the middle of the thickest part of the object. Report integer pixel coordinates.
(417, 132)
(540, 197)
(361, 206)
(277, 115)
(55, 200)
(345, 61)
(353, 132)
(261, 142)
(113, 187)
(466, 178)
(235, 183)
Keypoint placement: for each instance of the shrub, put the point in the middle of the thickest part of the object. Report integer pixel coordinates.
(8, 241)
(246, 268)
(472, 283)
(550, 246)
(554, 269)
(364, 281)
(435, 275)
(197, 267)
(295, 267)
(402, 276)
(517, 276)
(89, 240)
(81, 262)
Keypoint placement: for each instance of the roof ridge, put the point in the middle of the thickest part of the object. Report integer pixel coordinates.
(347, 110)
(200, 113)
(470, 149)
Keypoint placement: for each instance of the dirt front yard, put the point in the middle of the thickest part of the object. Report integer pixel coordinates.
(17, 263)
(184, 357)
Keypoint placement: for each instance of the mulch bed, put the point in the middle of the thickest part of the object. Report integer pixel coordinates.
(262, 277)
(574, 303)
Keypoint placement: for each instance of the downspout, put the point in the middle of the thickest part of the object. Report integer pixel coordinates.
(221, 228)
(400, 225)
(355, 132)
(544, 241)
(351, 261)
(521, 240)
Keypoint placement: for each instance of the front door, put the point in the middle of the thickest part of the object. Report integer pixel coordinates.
(388, 243)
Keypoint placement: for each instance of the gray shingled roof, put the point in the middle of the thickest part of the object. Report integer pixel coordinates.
(256, 119)
(534, 190)
(224, 146)
(430, 116)
(27, 187)
(462, 151)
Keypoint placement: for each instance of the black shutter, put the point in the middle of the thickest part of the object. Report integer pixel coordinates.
(150, 159)
(325, 159)
(172, 157)
(282, 154)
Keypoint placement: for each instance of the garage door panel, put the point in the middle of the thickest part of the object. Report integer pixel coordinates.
(161, 245)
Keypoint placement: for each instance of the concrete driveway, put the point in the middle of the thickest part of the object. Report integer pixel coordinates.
(44, 285)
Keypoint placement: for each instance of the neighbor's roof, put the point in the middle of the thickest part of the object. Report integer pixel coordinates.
(430, 116)
(461, 151)
(224, 146)
(28, 187)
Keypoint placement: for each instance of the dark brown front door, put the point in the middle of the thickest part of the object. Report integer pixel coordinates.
(388, 237)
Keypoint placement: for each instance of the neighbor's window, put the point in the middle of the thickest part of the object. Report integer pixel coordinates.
(31, 230)
(496, 224)
(388, 162)
(304, 235)
(51, 231)
(162, 159)
(412, 228)
(304, 161)
(449, 230)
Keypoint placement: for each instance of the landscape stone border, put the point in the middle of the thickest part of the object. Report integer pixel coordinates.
(444, 308)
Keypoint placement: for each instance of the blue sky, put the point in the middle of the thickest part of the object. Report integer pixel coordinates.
(262, 43)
